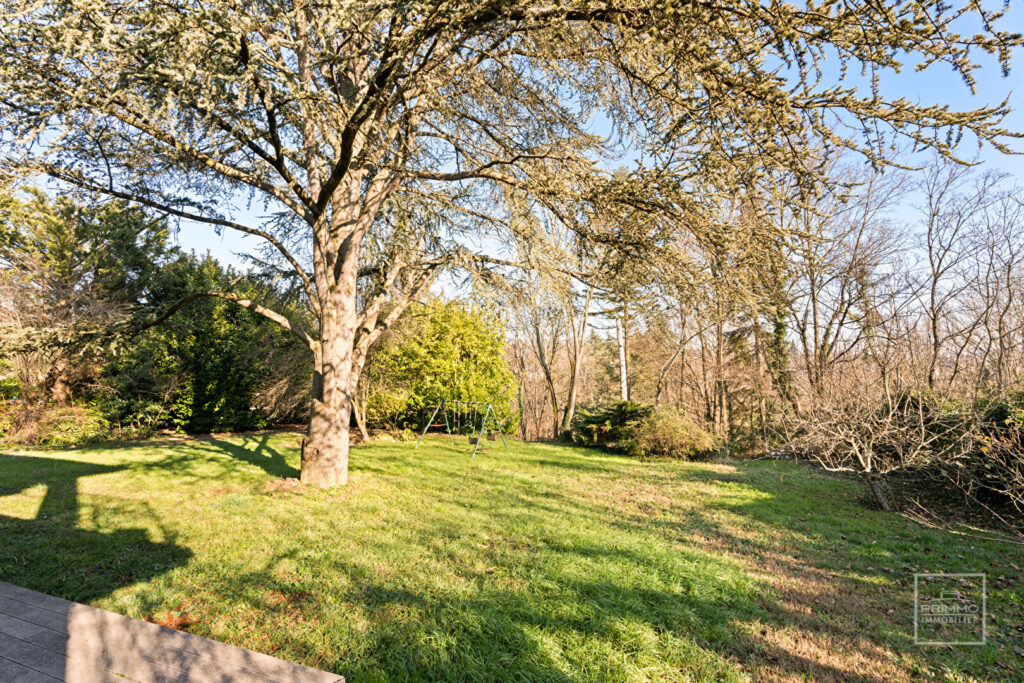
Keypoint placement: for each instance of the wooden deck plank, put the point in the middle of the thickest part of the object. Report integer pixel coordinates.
(50, 602)
(18, 628)
(12, 672)
(91, 644)
(99, 657)
(32, 656)
(33, 614)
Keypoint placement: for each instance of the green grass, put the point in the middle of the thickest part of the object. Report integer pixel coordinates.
(551, 563)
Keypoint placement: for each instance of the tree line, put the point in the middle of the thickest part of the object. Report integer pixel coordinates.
(876, 329)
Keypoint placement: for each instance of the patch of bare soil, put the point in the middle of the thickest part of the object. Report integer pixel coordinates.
(286, 485)
(179, 618)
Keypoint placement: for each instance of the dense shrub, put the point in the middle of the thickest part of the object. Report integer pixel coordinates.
(923, 446)
(8, 381)
(664, 433)
(642, 430)
(608, 424)
(994, 475)
(212, 367)
(56, 426)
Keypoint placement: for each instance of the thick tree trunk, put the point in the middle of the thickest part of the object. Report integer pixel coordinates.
(325, 450)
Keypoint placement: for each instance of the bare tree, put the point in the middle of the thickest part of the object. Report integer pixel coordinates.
(838, 240)
(953, 205)
(577, 315)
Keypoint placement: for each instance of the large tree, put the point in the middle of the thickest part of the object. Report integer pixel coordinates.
(386, 139)
(68, 272)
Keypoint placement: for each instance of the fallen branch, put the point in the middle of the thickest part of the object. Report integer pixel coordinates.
(922, 518)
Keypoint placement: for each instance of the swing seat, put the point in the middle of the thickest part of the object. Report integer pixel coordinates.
(491, 436)
(473, 440)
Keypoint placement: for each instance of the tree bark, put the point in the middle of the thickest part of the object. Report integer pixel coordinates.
(663, 372)
(359, 411)
(721, 389)
(880, 490)
(325, 450)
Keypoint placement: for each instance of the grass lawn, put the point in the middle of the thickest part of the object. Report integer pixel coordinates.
(553, 563)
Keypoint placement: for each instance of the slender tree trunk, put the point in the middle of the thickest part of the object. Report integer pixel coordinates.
(620, 338)
(522, 409)
(545, 360)
(570, 406)
(663, 372)
(579, 336)
(359, 412)
(721, 387)
(520, 358)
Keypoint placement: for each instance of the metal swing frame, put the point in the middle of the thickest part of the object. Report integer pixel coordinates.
(485, 406)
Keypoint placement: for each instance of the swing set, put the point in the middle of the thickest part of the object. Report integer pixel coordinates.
(466, 413)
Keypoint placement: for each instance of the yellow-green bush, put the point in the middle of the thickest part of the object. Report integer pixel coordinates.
(642, 430)
(665, 433)
(53, 426)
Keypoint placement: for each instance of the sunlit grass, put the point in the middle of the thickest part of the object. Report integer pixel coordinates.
(551, 563)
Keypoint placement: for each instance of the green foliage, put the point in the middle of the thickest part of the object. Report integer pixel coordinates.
(220, 354)
(9, 386)
(112, 249)
(608, 425)
(213, 366)
(442, 350)
(71, 273)
(52, 426)
(994, 475)
(203, 369)
(74, 425)
(665, 433)
(642, 430)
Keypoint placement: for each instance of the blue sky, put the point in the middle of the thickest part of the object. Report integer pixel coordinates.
(934, 86)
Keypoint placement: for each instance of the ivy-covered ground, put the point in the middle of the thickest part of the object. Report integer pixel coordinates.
(551, 563)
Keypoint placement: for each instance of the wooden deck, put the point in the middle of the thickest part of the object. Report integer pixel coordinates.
(46, 639)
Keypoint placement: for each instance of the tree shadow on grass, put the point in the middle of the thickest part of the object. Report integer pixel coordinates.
(196, 457)
(50, 554)
(43, 637)
(567, 623)
(537, 602)
(255, 450)
(838, 576)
